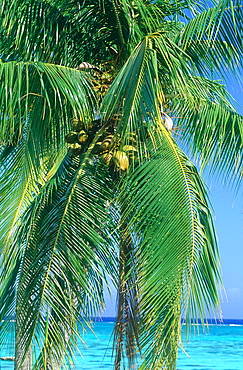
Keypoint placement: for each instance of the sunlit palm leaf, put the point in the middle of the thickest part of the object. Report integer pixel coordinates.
(214, 37)
(65, 247)
(211, 126)
(39, 31)
(135, 96)
(22, 172)
(46, 96)
(167, 211)
(162, 189)
(76, 220)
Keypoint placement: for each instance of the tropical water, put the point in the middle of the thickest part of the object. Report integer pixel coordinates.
(219, 348)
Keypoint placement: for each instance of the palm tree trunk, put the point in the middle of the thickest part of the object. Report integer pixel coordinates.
(126, 328)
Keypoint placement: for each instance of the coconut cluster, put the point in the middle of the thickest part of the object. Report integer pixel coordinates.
(77, 138)
(113, 154)
(108, 146)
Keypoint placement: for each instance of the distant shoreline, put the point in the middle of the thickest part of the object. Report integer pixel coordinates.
(231, 322)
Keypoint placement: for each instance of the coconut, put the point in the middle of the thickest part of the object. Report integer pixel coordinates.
(97, 148)
(77, 125)
(75, 148)
(82, 137)
(120, 159)
(107, 142)
(71, 137)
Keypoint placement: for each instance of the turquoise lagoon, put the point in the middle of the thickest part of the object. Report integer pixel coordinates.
(219, 348)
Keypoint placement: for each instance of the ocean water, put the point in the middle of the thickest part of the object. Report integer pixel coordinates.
(219, 348)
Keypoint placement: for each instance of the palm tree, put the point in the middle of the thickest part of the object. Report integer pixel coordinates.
(94, 185)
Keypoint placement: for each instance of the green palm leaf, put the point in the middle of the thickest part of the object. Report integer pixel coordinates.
(166, 205)
(213, 39)
(64, 261)
(45, 95)
(211, 127)
(178, 272)
(21, 172)
(129, 206)
(39, 31)
(114, 28)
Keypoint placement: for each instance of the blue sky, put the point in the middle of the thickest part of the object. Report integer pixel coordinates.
(228, 217)
(228, 214)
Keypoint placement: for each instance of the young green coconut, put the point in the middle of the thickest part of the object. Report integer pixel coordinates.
(97, 148)
(82, 137)
(71, 138)
(75, 148)
(107, 143)
(120, 160)
(77, 125)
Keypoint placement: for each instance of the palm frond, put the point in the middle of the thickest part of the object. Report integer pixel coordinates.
(213, 39)
(46, 96)
(38, 31)
(8, 291)
(63, 244)
(166, 205)
(134, 94)
(114, 28)
(211, 126)
(161, 189)
(21, 177)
